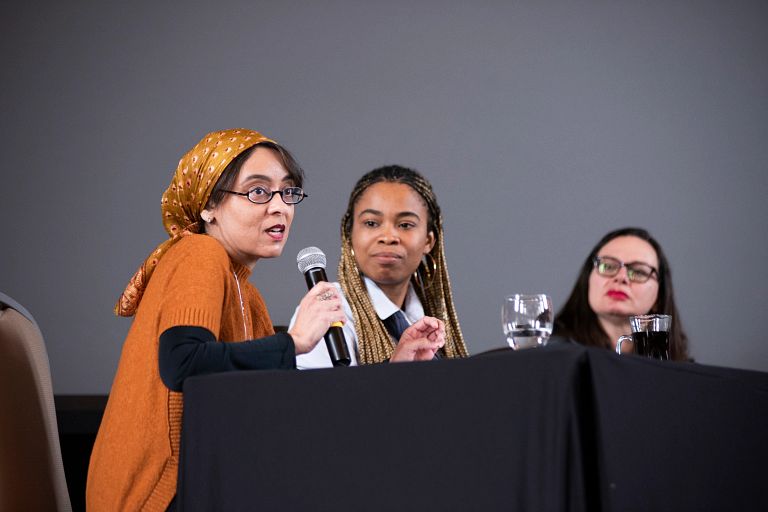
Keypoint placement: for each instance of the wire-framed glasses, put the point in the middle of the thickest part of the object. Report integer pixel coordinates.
(636, 272)
(260, 195)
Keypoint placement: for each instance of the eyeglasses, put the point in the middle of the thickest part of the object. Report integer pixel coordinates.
(260, 195)
(636, 272)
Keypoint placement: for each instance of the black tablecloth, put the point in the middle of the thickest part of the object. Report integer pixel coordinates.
(557, 428)
(679, 436)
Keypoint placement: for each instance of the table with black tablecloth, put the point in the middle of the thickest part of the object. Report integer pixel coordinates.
(679, 436)
(557, 428)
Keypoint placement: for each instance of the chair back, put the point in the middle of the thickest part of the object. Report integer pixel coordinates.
(31, 470)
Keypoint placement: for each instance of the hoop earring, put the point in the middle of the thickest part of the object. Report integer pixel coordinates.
(354, 262)
(432, 260)
(430, 269)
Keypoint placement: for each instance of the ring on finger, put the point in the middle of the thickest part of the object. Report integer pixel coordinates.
(326, 295)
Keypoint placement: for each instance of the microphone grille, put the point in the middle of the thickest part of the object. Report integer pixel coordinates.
(310, 257)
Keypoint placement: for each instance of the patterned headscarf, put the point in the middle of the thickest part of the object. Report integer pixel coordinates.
(187, 195)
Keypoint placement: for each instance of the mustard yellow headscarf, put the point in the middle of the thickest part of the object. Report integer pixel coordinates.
(185, 198)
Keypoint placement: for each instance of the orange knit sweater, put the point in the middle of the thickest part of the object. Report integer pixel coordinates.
(134, 463)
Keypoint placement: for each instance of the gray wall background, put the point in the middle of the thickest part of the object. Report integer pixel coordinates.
(542, 125)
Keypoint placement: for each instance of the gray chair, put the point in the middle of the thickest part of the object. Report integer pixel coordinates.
(31, 471)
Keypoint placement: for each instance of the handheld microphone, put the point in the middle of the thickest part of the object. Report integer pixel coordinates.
(311, 262)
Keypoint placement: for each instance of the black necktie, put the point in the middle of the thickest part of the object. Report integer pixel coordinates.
(396, 324)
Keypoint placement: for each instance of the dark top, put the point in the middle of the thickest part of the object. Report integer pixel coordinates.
(186, 351)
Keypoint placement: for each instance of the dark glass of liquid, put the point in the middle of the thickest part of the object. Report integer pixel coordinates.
(653, 344)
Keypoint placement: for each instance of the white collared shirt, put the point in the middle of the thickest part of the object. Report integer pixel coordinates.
(319, 358)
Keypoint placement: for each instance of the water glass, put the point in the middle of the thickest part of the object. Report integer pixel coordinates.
(527, 320)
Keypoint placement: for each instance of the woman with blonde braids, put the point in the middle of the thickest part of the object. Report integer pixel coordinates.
(230, 203)
(396, 291)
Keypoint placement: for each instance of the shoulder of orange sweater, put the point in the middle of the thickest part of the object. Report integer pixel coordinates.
(199, 247)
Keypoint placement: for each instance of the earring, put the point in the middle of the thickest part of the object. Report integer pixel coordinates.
(207, 217)
(429, 270)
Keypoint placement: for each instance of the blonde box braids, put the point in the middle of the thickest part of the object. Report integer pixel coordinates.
(431, 282)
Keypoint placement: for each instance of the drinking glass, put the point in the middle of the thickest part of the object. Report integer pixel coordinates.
(527, 320)
(650, 336)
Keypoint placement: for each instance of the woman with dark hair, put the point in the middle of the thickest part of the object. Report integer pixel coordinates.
(230, 203)
(396, 291)
(625, 274)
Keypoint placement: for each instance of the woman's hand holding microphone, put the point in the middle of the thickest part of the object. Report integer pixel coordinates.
(319, 308)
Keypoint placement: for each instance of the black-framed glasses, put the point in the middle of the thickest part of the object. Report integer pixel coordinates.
(260, 195)
(636, 272)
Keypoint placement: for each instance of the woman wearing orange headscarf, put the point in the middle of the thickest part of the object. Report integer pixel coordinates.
(230, 203)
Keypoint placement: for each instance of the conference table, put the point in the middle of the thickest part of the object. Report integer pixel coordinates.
(563, 427)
